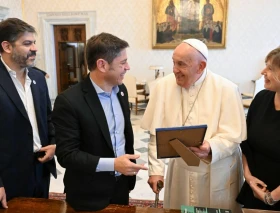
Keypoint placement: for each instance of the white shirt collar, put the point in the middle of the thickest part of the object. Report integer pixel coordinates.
(201, 79)
(13, 73)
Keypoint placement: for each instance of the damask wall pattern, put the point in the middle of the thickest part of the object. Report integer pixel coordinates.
(252, 31)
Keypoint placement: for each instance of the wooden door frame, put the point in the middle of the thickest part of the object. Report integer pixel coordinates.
(46, 20)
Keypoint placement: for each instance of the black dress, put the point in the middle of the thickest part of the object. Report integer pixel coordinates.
(262, 148)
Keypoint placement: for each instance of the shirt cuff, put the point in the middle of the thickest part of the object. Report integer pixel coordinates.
(105, 165)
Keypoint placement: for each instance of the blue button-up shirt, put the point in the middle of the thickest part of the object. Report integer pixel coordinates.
(115, 121)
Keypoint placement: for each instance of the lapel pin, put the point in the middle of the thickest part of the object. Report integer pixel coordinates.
(34, 82)
(122, 94)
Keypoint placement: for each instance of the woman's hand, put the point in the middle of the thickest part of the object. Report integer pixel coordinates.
(260, 184)
(258, 190)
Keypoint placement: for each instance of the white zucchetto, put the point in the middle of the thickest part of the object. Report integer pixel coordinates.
(198, 45)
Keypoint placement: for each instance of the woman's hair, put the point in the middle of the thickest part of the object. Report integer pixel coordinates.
(274, 57)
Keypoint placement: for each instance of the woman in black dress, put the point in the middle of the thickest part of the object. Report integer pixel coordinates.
(261, 150)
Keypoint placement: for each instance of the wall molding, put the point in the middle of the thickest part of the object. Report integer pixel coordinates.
(46, 21)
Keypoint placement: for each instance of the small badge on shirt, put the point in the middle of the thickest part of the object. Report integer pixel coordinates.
(122, 94)
(34, 82)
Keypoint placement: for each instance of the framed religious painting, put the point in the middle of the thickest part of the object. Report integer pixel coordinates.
(176, 20)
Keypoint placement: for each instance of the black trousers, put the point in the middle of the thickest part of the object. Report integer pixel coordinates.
(33, 182)
(121, 192)
(41, 180)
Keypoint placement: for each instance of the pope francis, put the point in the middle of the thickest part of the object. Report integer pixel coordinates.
(194, 95)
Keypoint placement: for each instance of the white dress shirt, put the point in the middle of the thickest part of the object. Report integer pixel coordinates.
(26, 97)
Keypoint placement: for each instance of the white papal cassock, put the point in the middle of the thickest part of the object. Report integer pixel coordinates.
(219, 106)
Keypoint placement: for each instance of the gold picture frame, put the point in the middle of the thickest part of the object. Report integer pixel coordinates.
(205, 20)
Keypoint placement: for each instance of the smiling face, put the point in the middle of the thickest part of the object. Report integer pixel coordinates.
(188, 65)
(271, 72)
(271, 76)
(117, 69)
(23, 51)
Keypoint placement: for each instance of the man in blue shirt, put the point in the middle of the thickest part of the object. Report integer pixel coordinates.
(93, 130)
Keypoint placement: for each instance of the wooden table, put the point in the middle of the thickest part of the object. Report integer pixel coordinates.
(257, 211)
(39, 205)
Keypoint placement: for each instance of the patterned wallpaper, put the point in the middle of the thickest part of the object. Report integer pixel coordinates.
(252, 31)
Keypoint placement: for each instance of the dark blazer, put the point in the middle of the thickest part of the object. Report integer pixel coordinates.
(82, 138)
(16, 137)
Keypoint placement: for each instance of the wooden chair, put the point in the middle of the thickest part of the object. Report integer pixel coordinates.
(134, 96)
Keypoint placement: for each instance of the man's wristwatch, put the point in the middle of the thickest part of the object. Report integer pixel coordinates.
(269, 200)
